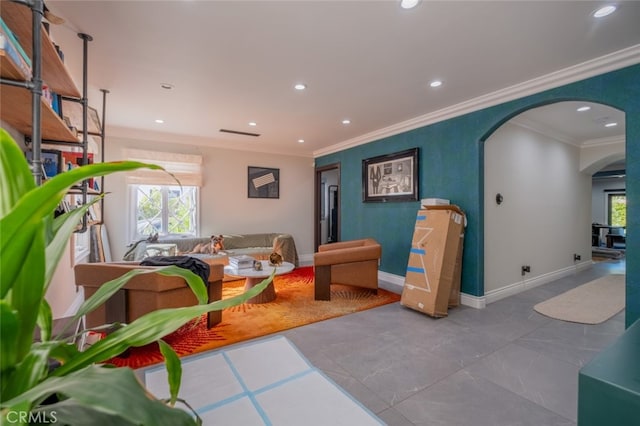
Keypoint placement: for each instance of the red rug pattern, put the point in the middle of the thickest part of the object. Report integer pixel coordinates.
(294, 306)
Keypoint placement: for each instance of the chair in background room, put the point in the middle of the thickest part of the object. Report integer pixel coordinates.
(616, 235)
(347, 262)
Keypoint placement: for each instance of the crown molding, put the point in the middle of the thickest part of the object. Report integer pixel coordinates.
(534, 126)
(607, 63)
(611, 140)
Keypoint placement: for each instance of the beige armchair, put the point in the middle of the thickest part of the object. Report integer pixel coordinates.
(143, 293)
(347, 262)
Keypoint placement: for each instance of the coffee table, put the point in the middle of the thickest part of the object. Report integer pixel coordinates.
(253, 277)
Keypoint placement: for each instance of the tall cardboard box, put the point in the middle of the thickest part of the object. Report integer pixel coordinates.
(432, 281)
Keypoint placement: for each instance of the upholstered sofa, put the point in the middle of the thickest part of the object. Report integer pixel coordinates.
(260, 246)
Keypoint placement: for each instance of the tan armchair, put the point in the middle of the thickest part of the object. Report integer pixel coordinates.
(347, 262)
(143, 293)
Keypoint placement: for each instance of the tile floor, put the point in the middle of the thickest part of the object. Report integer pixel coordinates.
(502, 365)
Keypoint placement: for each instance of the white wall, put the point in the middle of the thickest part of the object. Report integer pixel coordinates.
(546, 214)
(225, 207)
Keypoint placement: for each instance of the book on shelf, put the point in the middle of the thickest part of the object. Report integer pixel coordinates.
(241, 261)
(11, 54)
(14, 41)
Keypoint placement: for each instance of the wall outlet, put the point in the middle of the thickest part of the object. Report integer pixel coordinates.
(525, 269)
(576, 257)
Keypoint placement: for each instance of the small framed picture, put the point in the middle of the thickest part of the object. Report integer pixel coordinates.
(263, 182)
(72, 116)
(391, 177)
(51, 162)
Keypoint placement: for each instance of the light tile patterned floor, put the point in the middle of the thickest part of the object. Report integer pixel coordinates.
(267, 382)
(502, 365)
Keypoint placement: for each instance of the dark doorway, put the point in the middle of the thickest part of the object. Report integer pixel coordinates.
(327, 205)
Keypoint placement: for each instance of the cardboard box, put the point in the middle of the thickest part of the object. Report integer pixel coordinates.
(432, 281)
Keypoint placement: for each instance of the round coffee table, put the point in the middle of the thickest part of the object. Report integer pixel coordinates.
(253, 277)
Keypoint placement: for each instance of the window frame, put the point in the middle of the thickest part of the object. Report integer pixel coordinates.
(610, 196)
(133, 213)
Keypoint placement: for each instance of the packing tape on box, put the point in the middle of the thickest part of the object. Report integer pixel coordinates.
(413, 287)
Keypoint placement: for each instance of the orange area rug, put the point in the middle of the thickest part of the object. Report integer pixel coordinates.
(293, 307)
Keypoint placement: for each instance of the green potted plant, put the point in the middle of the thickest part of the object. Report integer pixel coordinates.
(78, 389)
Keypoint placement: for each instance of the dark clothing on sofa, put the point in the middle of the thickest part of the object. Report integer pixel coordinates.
(193, 264)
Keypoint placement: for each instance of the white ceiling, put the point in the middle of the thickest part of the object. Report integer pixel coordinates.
(232, 62)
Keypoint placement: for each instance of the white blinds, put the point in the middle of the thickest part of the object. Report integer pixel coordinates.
(185, 167)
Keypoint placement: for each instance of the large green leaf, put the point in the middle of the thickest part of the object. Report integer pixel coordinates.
(30, 371)
(63, 227)
(8, 337)
(27, 292)
(107, 392)
(151, 327)
(15, 179)
(45, 320)
(174, 370)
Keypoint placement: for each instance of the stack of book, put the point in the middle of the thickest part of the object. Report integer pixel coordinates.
(241, 262)
(12, 50)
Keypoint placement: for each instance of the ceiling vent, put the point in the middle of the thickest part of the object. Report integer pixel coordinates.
(238, 132)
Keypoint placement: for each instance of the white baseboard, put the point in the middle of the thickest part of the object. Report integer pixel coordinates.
(390, 282)
(527, 284)
(477, 302)
(305, 259)
(395, 283)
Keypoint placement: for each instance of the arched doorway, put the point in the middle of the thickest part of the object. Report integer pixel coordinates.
(539, 164)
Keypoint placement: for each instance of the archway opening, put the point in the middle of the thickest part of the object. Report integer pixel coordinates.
(542, 164)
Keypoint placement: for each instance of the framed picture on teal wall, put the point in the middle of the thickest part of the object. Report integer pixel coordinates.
(391, 177)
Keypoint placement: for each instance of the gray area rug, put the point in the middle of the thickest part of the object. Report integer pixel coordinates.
(590, 303)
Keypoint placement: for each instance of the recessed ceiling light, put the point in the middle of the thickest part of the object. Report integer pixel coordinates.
(253, 123)
(611, 125)
(604, 11)
(167, 86)
(346, 121)
(583, 108)
(300, 86)
(409, 4)
(435, 83)
(300, 140)
(159, 121)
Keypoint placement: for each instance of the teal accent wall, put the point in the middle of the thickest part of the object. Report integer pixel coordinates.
(451, 166)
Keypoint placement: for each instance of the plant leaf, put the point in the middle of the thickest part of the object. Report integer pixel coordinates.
(45, 320)
(174, 370)
(8, 338)
(121, 395)
(27, 292)
(30, 371)
(63, 227)
(15, 179)
(151, 327)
